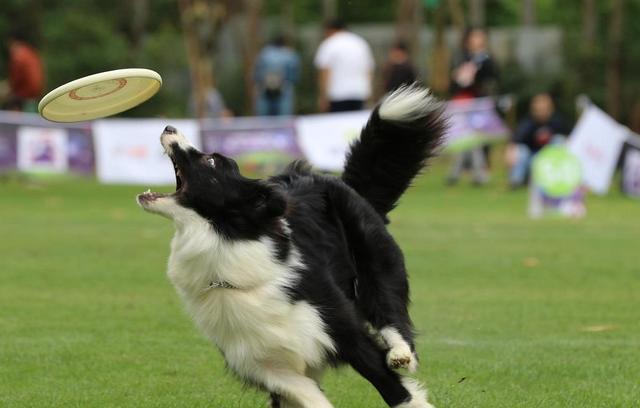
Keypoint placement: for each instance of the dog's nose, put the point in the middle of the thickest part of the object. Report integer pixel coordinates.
(170, 129)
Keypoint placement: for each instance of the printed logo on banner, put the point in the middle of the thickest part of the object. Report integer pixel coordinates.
(42, 150)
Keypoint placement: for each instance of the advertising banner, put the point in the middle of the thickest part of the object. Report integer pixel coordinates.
(42, 150)
(324, 139)
(472, 123)
(556, 184)
(259, 145)
(8, 147)
(128, 151)
(631, 173)
(596, 141)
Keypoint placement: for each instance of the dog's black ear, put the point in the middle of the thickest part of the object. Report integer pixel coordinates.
(271, 204)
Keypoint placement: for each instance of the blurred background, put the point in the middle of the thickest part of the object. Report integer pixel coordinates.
(583, 48)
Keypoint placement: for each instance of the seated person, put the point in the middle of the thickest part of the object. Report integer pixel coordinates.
(543, 126)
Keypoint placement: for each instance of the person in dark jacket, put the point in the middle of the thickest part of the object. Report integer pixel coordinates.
(399, 69)
(474, 75)
(474, 72)
(543, 125)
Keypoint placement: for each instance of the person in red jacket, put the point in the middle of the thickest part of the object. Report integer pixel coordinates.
(26, 74)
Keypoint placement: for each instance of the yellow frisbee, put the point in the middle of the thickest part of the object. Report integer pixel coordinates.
(100, 95)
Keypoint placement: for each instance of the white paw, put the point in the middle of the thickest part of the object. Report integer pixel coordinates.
(400, 356)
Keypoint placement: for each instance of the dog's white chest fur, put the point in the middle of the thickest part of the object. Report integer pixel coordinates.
(254, 323)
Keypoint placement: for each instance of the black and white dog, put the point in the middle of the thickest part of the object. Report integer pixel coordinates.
(292, 274)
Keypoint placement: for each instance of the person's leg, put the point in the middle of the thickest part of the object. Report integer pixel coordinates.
(285, 106)
(479, 166)
(262, 106)
(520, 167)
(457, 166)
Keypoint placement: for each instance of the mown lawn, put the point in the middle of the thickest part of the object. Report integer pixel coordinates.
(511, 312)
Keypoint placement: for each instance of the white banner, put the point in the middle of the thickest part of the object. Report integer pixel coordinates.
(128, 151)
(42, 149)
(597, 140)
(324, 139)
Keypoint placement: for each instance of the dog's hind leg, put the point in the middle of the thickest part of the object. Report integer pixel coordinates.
(369, 360)
(382, 288)
(277, 401)
(399, 352)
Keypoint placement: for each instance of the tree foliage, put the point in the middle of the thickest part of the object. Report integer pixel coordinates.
(86, 36)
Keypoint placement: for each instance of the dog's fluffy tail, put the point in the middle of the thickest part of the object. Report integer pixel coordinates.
(403, 132)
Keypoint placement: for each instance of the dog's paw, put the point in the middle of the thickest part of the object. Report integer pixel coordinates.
(401, 356)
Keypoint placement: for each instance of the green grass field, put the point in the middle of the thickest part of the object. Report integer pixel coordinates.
(511, 312)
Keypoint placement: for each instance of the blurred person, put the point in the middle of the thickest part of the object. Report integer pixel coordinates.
(26, 74)
(345, 68)
(276, 72)
(474, 75)
(399, 69)
(543, 125)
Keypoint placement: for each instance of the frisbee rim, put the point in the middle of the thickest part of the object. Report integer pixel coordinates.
(101, 77)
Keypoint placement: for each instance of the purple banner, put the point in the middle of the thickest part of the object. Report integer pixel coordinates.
(259, 145)
(30, 143)
(473, 122)
(81, 152)
(8, 148)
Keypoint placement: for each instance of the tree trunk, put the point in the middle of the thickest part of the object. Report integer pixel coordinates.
(408, 23)
(457, 15)
(139, 16)
(253, 21)
(288, 19)
(528, 12)
(589, 24)
(329, 10)
(477, 13)
(201, 23)
(588, 45)
(440, 57)
(614, 63)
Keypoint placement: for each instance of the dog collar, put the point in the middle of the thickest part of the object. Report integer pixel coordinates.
(220, 285)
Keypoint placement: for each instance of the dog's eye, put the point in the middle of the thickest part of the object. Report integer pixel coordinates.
(211, 162)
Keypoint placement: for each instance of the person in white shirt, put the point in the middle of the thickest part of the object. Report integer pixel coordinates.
(345, 68)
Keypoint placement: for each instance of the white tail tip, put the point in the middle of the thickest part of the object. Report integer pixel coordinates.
(408, 103)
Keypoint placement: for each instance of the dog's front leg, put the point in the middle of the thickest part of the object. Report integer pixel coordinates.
(293, 390)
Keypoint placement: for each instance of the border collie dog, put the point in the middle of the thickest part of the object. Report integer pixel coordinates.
(292, 274)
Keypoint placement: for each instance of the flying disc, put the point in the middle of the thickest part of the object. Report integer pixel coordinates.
(100, 95)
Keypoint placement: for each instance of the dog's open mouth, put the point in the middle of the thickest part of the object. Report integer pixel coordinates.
(150, 196)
